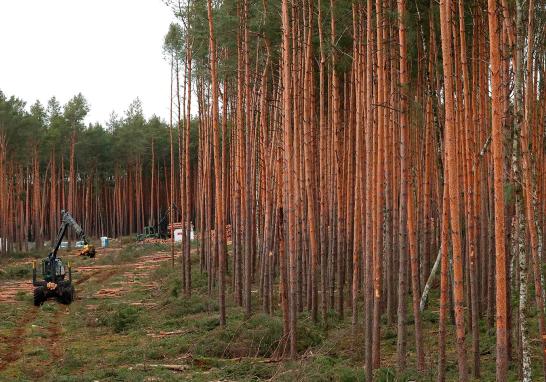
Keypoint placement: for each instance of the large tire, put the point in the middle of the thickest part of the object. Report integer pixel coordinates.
(72, 293)
(67, 295)
(39, 296)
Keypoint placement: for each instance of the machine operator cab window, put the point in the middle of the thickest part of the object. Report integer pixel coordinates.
(53, 268)
(59, 268)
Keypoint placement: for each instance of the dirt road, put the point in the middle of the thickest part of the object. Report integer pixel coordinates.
(35, 328)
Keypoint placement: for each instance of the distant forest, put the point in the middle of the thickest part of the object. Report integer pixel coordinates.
(44, 148)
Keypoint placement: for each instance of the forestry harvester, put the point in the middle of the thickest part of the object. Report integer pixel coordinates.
(54, 282)
(161, 230)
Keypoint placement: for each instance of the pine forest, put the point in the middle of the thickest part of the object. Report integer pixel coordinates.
(358, 189)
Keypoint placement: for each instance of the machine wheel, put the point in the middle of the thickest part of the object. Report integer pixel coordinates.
(66, 294)
(72, 293)
(39, 296)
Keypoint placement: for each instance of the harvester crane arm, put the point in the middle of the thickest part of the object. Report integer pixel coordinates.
(68, 220)
(168, 213)
(77, 228)
(163, 224)
(160, 230)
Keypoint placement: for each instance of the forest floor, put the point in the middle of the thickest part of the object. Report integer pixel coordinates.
(131, 322)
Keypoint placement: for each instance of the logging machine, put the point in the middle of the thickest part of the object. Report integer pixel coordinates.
(160, 231)
(54, 283)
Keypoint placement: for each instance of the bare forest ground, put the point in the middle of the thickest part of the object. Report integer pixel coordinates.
(131, 322)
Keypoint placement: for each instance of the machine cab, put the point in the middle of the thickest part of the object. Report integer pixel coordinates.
(149, 231)
(53, 269)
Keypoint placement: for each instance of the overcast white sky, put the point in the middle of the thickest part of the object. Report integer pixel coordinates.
(109, 50)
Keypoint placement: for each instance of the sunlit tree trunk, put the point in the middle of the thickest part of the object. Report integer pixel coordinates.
(453, 184)
(289, 208)
(498, 169)
(219, 208)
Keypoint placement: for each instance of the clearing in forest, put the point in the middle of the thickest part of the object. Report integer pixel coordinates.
(130, 321)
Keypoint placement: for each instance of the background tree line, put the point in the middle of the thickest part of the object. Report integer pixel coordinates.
(50, 160)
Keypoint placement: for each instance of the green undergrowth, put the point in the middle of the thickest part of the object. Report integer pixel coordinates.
(128, 254)
(16, 272)
(24, 255)
(153, 323)
(16, 266)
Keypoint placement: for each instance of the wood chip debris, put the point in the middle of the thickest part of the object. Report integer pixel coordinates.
(163, 334)
(162, 366)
